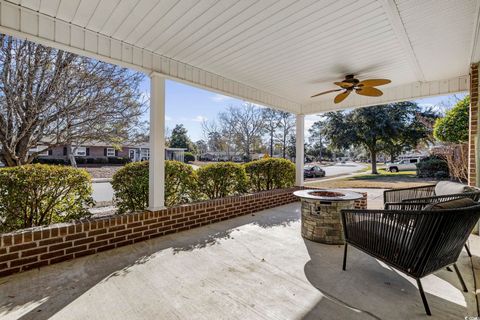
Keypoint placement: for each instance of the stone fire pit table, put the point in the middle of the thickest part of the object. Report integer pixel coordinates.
(321, 218)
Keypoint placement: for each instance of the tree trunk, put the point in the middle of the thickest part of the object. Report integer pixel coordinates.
(71, 157)
(373, 156)
(7, 160)
(392, 158)
(271, 144)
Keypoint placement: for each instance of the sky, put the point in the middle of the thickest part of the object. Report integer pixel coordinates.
(190, 106)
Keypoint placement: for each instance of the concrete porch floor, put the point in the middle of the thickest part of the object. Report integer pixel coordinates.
(251, 267)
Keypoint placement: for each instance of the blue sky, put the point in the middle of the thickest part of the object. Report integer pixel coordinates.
(190, 106)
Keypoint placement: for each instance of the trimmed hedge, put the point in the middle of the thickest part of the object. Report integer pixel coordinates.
(215, 180)
(130, 185)
(219, 180)
(188, 157)
(39, 194)
(432, 168)
(270, 173)
(180, 183)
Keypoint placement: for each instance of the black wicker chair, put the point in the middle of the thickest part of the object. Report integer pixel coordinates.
(425, 194)
(410, 240)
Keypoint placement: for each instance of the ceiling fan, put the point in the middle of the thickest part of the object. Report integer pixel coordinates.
(365, 87)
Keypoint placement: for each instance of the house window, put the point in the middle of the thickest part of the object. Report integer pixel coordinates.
(145, 154)
(131, 154)
(81, 152)
(110, 152)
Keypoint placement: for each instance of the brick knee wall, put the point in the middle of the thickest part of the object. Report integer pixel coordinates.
(36, 247)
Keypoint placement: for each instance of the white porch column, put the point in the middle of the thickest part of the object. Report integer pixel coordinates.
(299, 145)
(156, 196)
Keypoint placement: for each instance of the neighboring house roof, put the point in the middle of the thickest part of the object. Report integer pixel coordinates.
(98, 143)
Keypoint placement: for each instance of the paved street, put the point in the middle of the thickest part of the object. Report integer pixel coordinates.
(339, 170)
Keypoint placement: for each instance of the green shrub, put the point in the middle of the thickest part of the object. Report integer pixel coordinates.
(130, 184)
(270, 173)
(51, 161)
(218, 180)
(180, 183)
(431, 167)
(118, 160)
(40, 194)
(188, 157)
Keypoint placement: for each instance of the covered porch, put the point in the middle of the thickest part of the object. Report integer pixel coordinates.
(255, 265)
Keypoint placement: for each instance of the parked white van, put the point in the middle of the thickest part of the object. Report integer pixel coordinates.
(403, 165)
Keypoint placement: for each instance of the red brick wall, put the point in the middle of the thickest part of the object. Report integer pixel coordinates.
(36, 247)
(472, 150)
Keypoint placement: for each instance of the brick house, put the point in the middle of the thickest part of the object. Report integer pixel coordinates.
(102, 150)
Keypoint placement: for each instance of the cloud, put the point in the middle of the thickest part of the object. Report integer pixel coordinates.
(167, 118)
(221, 98)
(200, 118)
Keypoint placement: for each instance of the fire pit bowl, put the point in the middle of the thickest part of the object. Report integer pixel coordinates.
(321, 217)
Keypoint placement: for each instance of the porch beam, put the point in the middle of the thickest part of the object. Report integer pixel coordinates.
(156, 178)
(405, 92)
(299, 149)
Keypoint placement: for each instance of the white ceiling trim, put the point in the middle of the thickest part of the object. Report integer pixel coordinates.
(391, 10)
(32, 25)
(406, 92)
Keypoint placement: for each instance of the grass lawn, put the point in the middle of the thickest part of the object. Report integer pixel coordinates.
(384, 180)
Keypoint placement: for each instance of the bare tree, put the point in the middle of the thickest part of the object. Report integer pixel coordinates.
(456, 156)
(50, 98)
(247, 124)
(272, 123)
(286, 125)
(213, 135)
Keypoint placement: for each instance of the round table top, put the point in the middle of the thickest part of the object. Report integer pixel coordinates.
(335, 195)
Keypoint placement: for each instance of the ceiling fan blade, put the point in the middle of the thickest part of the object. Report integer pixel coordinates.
(344, 85)
(373, 82)
(369, 91)
(340, 97)
(319, 94)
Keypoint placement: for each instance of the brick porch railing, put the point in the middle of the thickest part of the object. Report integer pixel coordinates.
(41, 246)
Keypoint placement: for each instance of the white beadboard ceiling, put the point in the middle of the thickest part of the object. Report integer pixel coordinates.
(277, 52)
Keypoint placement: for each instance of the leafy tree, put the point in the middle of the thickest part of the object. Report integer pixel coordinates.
(50, 98)
(454, 126)
(180, 139)
(392, 128)
(291, 148)
(410, 126)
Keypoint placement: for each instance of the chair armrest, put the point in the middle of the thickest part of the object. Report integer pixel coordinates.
(398, 195)
(475, 196)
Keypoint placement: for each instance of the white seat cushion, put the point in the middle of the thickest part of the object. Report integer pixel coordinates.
(447, 187)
